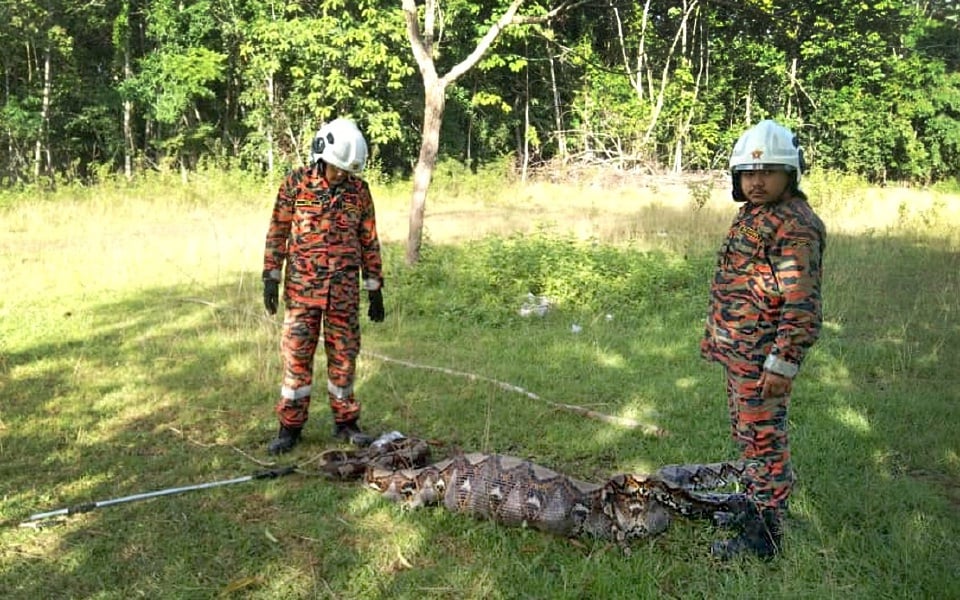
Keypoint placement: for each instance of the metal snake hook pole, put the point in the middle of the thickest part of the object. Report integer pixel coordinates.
(88, 506)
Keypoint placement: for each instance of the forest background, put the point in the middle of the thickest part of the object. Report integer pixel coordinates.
(93, 89)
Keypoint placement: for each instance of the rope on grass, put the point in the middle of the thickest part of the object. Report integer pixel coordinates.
(646, 428)
(299, 467)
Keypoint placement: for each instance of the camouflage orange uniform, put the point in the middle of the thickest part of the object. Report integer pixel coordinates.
(765, 311)
(327, 239)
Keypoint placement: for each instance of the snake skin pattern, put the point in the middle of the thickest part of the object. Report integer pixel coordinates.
(516, 492)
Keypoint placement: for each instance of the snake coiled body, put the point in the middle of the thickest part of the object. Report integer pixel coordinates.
(516, 492)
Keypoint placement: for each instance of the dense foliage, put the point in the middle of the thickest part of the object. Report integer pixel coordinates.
(123, 85)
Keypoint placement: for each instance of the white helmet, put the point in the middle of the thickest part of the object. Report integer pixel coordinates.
(766, 145)
(340, 143)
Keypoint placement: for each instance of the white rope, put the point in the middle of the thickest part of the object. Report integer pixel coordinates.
(647, 428)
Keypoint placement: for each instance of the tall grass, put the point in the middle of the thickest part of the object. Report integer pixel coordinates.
(135, 356)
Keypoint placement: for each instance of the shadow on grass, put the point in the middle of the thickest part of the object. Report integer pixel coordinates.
(877, 427)
(161, 388)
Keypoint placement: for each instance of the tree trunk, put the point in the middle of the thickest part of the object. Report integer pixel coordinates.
(526, 124)
(129, 148)
(634, 81)
(269, 124)
(678, 151)
(665, 77)
(8, 164)
(434, 102)
(684, 126)
(793, 85)
(643, 65)
(42, 148)
(435, 89)
(557, 110)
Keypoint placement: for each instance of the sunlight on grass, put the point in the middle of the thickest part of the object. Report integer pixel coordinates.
(832, 327)
(668, 352)
(952, 459)
(639, 409)
(84, 487)
(610, 359)
(394, 535)
(362, 504)
(641, 466)
(852, 419)
(135, 355)
(835, 374)
(921, 528)
(129, 406)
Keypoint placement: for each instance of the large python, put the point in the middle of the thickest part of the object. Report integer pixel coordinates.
(516, 492)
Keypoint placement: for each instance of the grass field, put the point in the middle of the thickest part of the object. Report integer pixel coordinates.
(135, 356)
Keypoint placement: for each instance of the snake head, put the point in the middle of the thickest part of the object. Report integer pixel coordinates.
(627, 502)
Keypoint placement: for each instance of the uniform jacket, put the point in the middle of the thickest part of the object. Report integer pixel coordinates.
(765, 297)
(324, 237)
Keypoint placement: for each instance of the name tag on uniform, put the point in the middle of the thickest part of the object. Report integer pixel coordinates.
(750, 233)
(312, 200)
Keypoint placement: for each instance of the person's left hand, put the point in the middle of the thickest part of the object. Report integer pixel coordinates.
(271, 294)
(375, 312)
(774, 386)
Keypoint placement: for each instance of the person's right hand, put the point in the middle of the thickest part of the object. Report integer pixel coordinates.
(271, 294)
(773, 385)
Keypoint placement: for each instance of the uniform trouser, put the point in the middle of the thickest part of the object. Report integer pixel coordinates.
(759, 428)
(302, 327)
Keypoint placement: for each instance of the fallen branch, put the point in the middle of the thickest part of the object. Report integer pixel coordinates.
(647, 428)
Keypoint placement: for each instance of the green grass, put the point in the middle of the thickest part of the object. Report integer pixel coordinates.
(135, 356)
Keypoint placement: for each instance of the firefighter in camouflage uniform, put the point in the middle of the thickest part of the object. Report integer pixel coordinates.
(765, 314)
(323, 239)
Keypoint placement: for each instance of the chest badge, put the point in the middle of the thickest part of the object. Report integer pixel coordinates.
(750, 233)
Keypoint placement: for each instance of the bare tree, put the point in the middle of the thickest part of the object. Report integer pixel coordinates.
(435, 88)
(665, 77)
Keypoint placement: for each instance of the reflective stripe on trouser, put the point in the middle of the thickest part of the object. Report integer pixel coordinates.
(759, 428)
(302, 327)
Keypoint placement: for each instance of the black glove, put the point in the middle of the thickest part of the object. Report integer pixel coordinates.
(271, 294)
(375, 312)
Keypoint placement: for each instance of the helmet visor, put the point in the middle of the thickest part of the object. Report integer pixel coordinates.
(763, 167)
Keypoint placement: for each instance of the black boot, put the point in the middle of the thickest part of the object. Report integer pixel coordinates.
(734, 511)
(287, 438)
(349, 431)
(761, 534)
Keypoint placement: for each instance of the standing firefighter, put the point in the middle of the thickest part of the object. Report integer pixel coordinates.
(323, 230)
(765, 314)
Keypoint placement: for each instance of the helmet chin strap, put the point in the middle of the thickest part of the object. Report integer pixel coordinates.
(737, 191)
